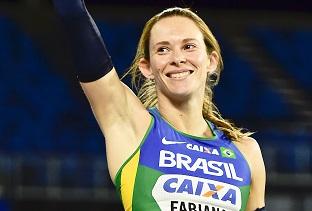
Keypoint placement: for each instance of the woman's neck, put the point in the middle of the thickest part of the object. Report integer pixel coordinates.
(186, 117)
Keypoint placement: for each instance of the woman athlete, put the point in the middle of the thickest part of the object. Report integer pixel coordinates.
(169, 148)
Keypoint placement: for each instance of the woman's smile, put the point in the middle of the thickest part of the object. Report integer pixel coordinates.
(179, 74)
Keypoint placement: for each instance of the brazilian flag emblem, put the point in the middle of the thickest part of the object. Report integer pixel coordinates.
(227, 153)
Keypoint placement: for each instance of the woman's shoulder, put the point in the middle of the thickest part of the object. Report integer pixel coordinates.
(250, 148)
(248, 143)
(252, 152)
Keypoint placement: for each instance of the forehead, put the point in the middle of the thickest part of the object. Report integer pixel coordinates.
(175, 27)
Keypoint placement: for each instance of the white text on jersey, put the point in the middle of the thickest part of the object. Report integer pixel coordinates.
(169, 159)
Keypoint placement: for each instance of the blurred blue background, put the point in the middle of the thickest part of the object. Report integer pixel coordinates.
(52, 153)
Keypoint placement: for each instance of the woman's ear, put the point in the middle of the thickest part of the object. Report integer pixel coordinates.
(213, 74)
(213, 61)
(144, 67)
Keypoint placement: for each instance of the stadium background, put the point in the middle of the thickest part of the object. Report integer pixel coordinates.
(52, 153)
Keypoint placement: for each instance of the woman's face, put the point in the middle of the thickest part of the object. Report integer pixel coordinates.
(179, 62)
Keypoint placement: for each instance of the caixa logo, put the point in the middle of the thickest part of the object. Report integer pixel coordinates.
(198, 148)
(225, 152)
(196, 190)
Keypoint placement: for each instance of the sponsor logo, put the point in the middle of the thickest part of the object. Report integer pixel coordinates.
(168, 159)
(227, 153)
(203, 149)
(181, 192)
(193, 147)
(164, 141)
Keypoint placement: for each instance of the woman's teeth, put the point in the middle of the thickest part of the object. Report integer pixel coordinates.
(179, 75)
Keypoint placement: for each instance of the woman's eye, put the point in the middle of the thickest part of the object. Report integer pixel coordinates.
(189, 46)
(162, 50)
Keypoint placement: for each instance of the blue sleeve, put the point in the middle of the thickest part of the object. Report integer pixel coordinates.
(91, 58)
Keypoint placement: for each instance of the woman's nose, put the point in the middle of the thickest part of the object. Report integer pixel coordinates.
(178, 58)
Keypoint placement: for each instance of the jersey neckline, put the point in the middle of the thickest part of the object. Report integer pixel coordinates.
(202, 138)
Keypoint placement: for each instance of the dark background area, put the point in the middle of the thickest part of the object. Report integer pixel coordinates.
(52, 153)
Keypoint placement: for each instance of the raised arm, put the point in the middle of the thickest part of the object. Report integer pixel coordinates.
(120, 115)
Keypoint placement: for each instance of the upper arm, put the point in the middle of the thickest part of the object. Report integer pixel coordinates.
(112, 102)
(258, 175)
(120, 115)
(251, 151)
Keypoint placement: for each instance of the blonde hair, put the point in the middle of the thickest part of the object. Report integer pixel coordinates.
(146, 87)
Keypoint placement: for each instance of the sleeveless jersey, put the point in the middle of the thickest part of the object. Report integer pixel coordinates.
(174, 171)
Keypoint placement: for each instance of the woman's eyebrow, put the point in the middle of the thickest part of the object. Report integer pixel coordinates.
(162, 43)
(189, 40)
(168, 43)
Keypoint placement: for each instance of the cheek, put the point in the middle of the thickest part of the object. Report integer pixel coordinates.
(200, 60)
(158, 64)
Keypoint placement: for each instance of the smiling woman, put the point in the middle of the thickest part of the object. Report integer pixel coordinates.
(169, 148)
(179, 61)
